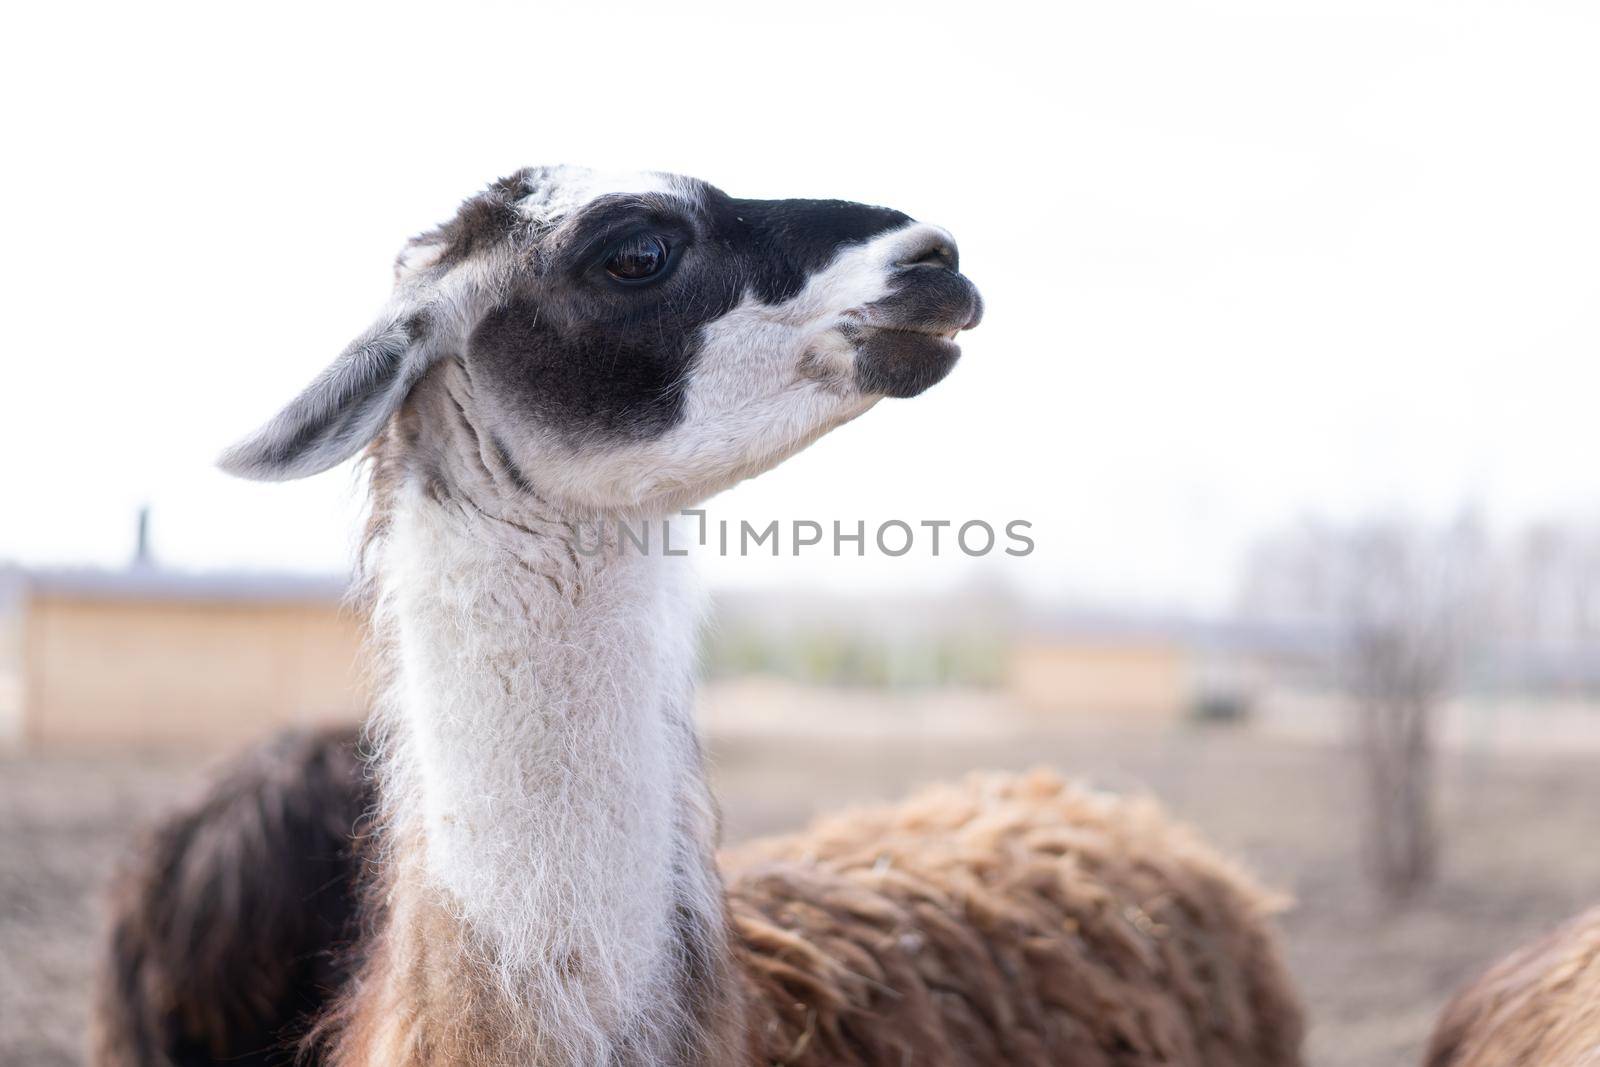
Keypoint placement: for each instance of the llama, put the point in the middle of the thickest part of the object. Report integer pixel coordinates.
(1540, 1005)
(575, 347)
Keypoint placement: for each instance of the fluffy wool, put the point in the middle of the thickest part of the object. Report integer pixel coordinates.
(1008, 920)
(1538, 1007)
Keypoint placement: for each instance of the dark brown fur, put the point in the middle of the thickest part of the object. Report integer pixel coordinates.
(1538, 1007)
(482, 221)
(226, 928)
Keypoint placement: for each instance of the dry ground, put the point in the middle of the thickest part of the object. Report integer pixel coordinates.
(1519, 856)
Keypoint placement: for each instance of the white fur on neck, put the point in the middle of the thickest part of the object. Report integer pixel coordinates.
(543, 748)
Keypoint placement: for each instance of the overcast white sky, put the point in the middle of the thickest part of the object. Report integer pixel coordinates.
(1241, 260)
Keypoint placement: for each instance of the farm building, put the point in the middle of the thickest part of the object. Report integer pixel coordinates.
(146, 655)
(1153, 667)
(1120, 675)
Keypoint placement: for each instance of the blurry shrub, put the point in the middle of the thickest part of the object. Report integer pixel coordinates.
(840, 657)
(1220, 706)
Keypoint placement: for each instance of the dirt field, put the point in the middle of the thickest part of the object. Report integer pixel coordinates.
(1519, 852)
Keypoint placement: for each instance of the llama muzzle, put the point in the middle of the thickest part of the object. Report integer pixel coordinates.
(905, 342)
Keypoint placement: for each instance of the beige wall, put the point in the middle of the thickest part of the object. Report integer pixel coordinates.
(10, 672)
(160, 671)
(1101, 676)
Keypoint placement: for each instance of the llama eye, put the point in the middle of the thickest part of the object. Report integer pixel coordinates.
(638, 259)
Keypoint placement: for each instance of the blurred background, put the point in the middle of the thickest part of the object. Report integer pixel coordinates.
(1288, 365)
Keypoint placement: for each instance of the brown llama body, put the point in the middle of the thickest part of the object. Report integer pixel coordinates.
(1014, 920)
(1537, 1007)
(1009, 920)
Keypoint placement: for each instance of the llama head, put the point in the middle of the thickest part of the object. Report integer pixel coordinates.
(634, 343)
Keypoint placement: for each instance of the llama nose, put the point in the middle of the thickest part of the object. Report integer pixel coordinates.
(932, 247)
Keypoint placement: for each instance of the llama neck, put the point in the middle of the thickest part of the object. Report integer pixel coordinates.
(545, 781)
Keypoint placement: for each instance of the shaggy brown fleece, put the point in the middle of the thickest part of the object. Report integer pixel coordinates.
(1008, 920)
(1538, 1007)
(227, 927)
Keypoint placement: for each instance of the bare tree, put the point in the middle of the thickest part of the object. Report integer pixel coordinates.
(1413, 595)
(1399, 600)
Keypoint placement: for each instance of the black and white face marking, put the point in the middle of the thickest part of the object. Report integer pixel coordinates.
(644, 339)
(599, 341)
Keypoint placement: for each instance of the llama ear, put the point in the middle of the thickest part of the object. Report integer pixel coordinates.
(342, 409)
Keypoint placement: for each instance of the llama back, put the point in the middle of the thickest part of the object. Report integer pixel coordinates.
(1009, 920)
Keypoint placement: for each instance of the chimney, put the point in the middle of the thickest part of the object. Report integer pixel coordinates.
(141, 546)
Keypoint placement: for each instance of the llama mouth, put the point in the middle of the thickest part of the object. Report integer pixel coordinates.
(943, 337)
(901, 361)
